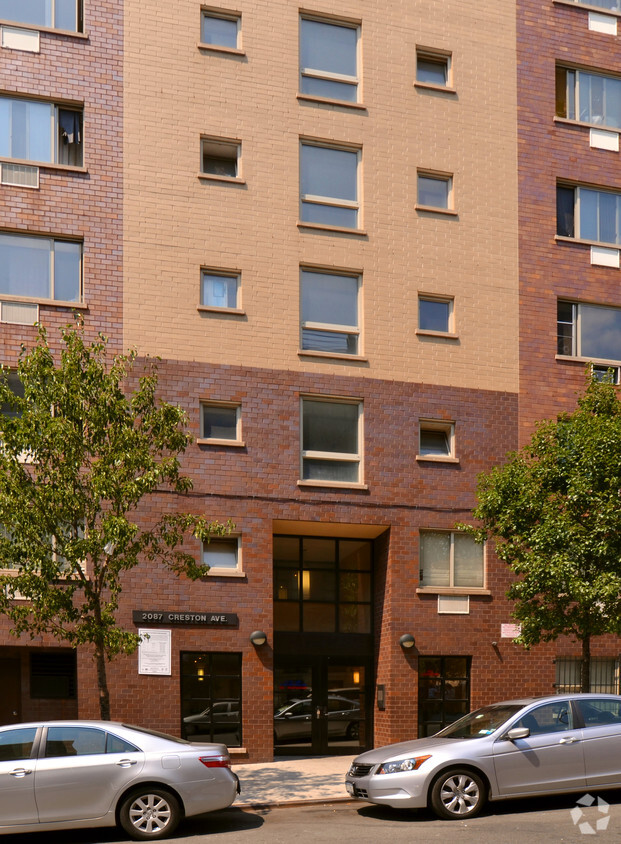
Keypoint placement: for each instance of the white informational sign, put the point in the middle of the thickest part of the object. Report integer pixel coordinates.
(510, 631)
(154, 652)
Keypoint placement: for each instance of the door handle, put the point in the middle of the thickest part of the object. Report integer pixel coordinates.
(126, 763)
(20, 772)
(568, 740)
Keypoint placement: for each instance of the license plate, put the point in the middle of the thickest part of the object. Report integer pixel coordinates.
(351, 789)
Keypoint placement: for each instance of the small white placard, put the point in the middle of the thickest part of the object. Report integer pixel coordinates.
(603, 256)
(510, 631)
(20, 39)
(603, 139)
(602, 23)
(154, 652)
(454, 604)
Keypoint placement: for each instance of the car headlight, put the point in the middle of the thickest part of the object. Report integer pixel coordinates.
(403, 765)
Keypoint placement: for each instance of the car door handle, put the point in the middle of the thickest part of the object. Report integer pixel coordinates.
(568, 740)
(20, 772)
(126, 763)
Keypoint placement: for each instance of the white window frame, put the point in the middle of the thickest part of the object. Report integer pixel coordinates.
(450, 588)
(444, 300)
(223, 571)
(55, 140)
(337, 457)
(330, 201)
(238, 422)
(221, 14)
(445, 427)
(78, 18)
(52, 241)
(445, 178)
(232, 145)
(439, 57)
(332, 327)
(225, 274)
(354, 81)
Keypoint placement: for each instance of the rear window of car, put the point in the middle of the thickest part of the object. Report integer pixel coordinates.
(157, 734)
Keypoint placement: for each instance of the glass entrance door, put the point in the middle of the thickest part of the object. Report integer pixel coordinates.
(320, 705)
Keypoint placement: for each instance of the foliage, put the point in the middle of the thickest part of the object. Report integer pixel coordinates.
(554, 510)
(79, 456)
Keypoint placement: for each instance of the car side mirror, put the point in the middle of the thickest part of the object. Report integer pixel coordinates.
(517, 733)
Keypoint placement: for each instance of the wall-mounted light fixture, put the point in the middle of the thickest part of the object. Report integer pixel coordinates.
(258, 638)
(407, 640)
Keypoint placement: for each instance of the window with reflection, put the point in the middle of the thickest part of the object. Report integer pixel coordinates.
(322, 585)
(55, 14)
(443, 691)
(211, 697)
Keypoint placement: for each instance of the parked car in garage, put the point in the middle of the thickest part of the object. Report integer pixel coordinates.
(71, 774)
(516, 748)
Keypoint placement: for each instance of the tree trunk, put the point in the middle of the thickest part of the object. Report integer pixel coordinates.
(585, 665)
(102, 683)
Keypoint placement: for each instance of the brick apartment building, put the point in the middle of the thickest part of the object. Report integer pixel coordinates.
(336, 225)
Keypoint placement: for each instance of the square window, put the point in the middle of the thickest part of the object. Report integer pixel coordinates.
(588, 214)
(433, 68)
(451, 559)
(40, 268)
(220, 30)
(220, 421)
(329, 312)
(329, 185)
(331, 435)
(590, 332)
(222, 554)
(329, 59)
(435, 314)
(436, 439)
(434, 191)
(219, 290)
(220, 157)
(32, 130)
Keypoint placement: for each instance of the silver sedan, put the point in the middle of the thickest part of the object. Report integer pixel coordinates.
(517, 748)
(70, 774)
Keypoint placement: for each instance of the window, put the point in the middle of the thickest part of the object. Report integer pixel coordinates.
(588, 97)
(433, 68)
(17, 387)
(53, 675)
(32, 130)
(605, 374)
(220, 157)
(220, 30)
(322, 585)
(604, 675)
(17, 744)
(329, 310)
(588, 214)
(55, 14)
(40, 268)
(443, 691)
(550, 718)
(219, 289)
(436, 439)
(598, 712)
(221, 421)
(222, 554)
(435, 314)
(588, 331)
(450, 559)
(434, 191)
(329, 185)
(211, 697)
(609, 5)
(329, 59)
(331, 440)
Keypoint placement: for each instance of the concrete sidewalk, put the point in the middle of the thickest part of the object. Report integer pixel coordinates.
(292, 781)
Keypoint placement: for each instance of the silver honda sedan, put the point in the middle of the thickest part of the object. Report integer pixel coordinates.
(71, 774)
(517, 748)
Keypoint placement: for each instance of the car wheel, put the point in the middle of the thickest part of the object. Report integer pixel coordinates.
(458, 794)
(150, 814)
(353, 730)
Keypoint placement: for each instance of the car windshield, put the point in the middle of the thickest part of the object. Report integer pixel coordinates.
(481, 722)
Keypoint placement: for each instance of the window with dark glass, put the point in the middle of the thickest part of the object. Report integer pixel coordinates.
(443, 691)
(329, 312)
(17, 744)
(211, 697)
(220, 158)
(322, 585)
(53, 675)
(435, 314)
(53, 14)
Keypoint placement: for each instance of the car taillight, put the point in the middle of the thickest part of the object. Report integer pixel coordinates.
(215, 761)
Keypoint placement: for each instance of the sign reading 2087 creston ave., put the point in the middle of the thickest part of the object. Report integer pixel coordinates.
(203, 619)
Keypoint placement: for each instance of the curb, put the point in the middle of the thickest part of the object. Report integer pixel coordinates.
(278, 804)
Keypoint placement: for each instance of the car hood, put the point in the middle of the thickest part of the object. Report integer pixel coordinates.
(404, 749)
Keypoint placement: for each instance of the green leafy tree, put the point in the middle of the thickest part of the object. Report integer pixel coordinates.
(79, 455)
(554, 510)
